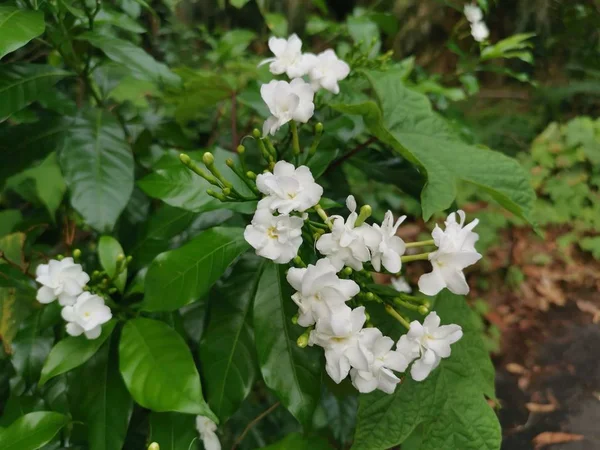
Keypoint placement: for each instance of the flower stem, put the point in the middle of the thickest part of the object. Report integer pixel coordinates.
(392, 312)
(323, 215)
(419, 257)
(398, 301)
(295, 139)
(419, 243)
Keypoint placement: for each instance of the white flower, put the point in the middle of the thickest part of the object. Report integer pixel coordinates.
(456, 251)
(479, 31)
(429, 342)
(287, 101)
(473, 13)
(277, 238)
(375, 350)
(288, 57)
(337, 342)
(86, 316)
(320, 293)
(345, 245)
(207, 429)
(401, 285)
(327, 69)
(60, 279)
(386, 248)
(288, 188)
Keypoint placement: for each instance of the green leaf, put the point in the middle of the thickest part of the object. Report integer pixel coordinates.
(239, 4)
(72, 352)
(404, 120)
(18, 406)
(297, 441)
(98, 167)
(173, 431)
(104, 404)
(14, 308)
(294, 373)
(182, 276)
(110, 16)
(159, 370)
(21, 145)
(9, 219)
(227, 348)
(21, 84)
(341, 415)
(141, 64)
(47, 184)
(32, 431)
(109, 250)
(18, 27)
(450, 404)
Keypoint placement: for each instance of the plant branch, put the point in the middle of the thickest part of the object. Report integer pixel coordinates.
(351, 153)
(15, 265)
(254, 421)
(234, 133)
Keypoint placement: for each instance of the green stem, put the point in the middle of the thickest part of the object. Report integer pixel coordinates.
(419, 243)
(392, 312)
(406, 305)
(419, 257)
(295, 139)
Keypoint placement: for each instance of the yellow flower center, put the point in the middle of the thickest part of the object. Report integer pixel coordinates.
(272, 232)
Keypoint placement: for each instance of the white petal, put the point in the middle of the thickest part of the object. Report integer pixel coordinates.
(94, 333)
(397, 361)
(387, 381)
(455, 281)
(431, 283)
(73, 329)
(45, 295)
(432, 321)
(363, 384)
(277, 45)
(420, 370)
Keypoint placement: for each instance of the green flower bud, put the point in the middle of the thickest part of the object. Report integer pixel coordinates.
(295, 319)
(256, 133)
(347, 271)
(229, 162)
(154, 446)
(76, 253)
(226, 191)
(423, 310)
(251, 175)
(120, 257)
(208, 159)
(319, 128)
(185, 159)
(370, 296)
(241, 149)
(302, 341)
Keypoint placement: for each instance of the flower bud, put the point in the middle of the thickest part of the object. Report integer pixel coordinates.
(426, 304)
(295, 319)
(251, 175)
(302, 340)
(226, 191)
(256, 133)
(185, 159)
(229, 162)
(76, 254)
(154, 446)
(241, 149)
(423, 310)
(347, 271)
(370, 296)
(365, 212)
(60, 257)
(319, 128)
(208, 159)
(120, 257)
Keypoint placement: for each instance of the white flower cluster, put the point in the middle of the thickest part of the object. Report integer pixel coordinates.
(479, 29)
(294, 100)
(321, 295)
(85, 313)
(207, 429)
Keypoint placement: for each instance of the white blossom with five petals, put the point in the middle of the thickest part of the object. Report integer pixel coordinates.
(321, 294)
(456, 251)
(336, 343)
(386, 248)
(86, 316)
(326, 69)
(429, 342)
(374, 350)
(288, 57)
(473, 13)
(63, 279)
(287, 101)
(288, 188)
(480, 31)
(345, 245)
(277, 238)
(207, 429)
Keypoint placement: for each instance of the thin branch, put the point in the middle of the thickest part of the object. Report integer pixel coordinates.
(254, 422)
(234, 133)
(15, 265)
(351, 153)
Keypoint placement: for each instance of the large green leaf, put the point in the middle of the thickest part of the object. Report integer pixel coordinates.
(141, 64)
(72, 352)
(14, 308)
(32, 431)
(9, 219)
(23, 144)
(21, 84)
(98, 167)
(227, 348)
(173, 431)
(108, 251)
(43, 183)
(104, 404)
(404, 120)
(449, 405)
(182, 276)
(297, 441)
(294, 373)
(159, 370)
(18, 27)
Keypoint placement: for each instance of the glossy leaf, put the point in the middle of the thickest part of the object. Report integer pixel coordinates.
(159, 370)
(109, 250)
(104, 404)
(449, 405)
(227, 348)
(18, 27)
(32, 431)
(141, 64)
(72, 352)
(182, 276)
(98, 167)
(173, 431)
(21, 84)
(404, 120)
(294, 373)
(9, 219)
